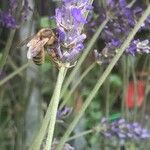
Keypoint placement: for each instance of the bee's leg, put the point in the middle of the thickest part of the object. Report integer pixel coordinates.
(59, 52)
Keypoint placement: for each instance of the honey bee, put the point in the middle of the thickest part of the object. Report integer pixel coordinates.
(45, 39)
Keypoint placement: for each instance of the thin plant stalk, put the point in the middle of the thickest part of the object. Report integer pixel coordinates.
(125, 70)
(103, 78)
(126, 84)
(80, 134)
(107, 88)
(14, 74)
(135, 89)
(76, 84)
(55, 102)
(147, 88)
(40, 136)
(96, 129)
(84, 55)
(7, 48)
(123, 66)
(14, 66)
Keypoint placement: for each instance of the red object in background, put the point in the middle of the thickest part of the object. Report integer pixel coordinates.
(131, 94)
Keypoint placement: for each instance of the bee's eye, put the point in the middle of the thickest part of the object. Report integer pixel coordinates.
(46, 34)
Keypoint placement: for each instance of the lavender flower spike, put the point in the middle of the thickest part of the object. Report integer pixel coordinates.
(123, 16)
(124, 130)
(69, 18)
(8, 18)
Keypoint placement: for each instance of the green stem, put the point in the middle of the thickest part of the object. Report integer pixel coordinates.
(84, 55)
(107, 89)
(14, 66)
(76, 84)
(123, 66)
(7, 49)
(55, 102)
(96, 129)
(39, 138)
(13, 74)
(102, 78)
(135, 100)
(147, 89)
(80, 134)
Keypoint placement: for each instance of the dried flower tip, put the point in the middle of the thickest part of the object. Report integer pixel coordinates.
(64, 112)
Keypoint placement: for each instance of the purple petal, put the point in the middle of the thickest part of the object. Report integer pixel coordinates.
(122, 3)
(76, 13)
(6, 19)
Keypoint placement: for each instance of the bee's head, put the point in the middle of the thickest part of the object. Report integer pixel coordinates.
(45, 33)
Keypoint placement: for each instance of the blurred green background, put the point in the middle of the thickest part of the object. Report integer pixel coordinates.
(26, 89)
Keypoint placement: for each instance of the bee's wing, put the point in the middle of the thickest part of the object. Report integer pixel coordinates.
(35, 46)
(33, 41)
(24, 42)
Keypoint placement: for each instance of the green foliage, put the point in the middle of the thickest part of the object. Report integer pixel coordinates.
(18, 93)
(115, 80)
(46, 22)
(0, 56)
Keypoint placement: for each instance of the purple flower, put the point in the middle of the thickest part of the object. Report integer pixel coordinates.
(7, 20)
(110, 3)
(121, 135)
(115, 42)
(76, 13)
(7, 17)
(122, 19)
(69, 18)
(138, 46)
(13, 4)
(122, 3)
(64, 112)
(25, 10)
(132, 49)
(145, 134)
(107, 134)
(123, 130)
